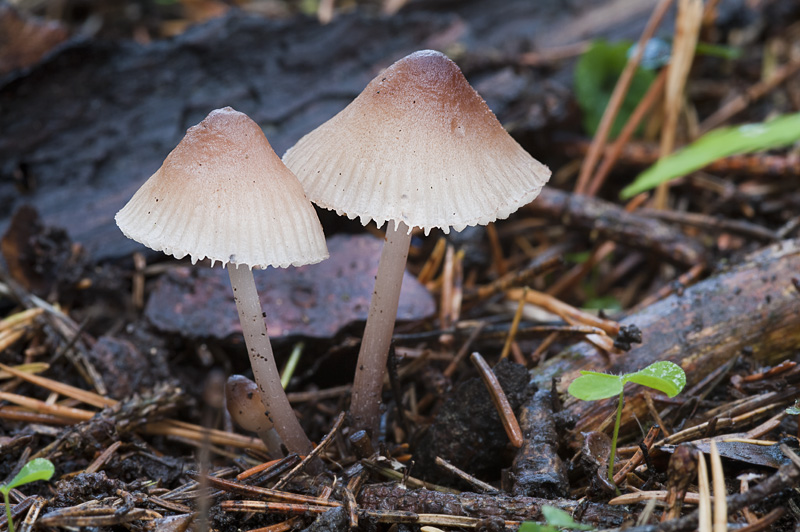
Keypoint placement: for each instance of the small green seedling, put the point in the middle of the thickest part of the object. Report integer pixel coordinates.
(556, 519)
(590, 386)
(795, 409)
(36, 469)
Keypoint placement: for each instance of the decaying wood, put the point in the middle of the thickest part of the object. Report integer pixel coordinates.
(116, 421)
(714, 223)
(18, 509)
(537, 468)
(506, 507)
(611, 222)
(752, 306)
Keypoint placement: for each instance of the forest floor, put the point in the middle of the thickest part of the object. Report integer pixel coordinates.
(113, 358)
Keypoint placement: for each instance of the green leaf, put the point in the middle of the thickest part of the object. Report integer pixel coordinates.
(309, 7)
(794, 410)
(663, 376)
(608, 303)
(717, 144)
(597, 73)
(716, 50)
(559, 518)
(532, 526)
(591, 386)
(578, 257)
(36, 469)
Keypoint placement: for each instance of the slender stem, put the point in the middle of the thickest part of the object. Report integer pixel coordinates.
(272, 441)
(262, 361)
(614, 438)
(9, 519)
(366, 400)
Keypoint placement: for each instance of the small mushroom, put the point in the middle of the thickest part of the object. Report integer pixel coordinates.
(246, 409)
(224, 194)
(420, 148)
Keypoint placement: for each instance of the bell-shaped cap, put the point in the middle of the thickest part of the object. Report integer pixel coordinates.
(420, 146)
(224, 194)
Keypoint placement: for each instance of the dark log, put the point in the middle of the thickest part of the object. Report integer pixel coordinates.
(537, 468)
(81, 131)
(86, 128)
(482, 506)
(611, 222)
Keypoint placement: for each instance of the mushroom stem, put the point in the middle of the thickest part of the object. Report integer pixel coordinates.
(366, 399)
(265, 372)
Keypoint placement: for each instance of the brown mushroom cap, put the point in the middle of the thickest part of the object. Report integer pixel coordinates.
(224, 194)
(418, 145)
(244, 404)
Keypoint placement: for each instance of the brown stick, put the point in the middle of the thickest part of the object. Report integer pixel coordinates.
(687, 28)
(637, 458)
(563, 310)
(612, 153)
(752, 94)
(478, 505)
(266, 493)
(741, 227)
(499, 399)
(617, 97)
(610, 222)
(463, 475)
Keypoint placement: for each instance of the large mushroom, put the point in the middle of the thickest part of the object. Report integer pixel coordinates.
(420, 148)
(224, 194)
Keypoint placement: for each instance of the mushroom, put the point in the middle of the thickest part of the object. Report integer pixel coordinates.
(224, 194)
(420, 148)
(246, 409)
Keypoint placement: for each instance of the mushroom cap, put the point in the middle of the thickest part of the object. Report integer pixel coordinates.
(224, 194)
(420, 146)
(244, 404)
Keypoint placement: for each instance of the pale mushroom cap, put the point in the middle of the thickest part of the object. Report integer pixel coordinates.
(420, 146)
(224, 194)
